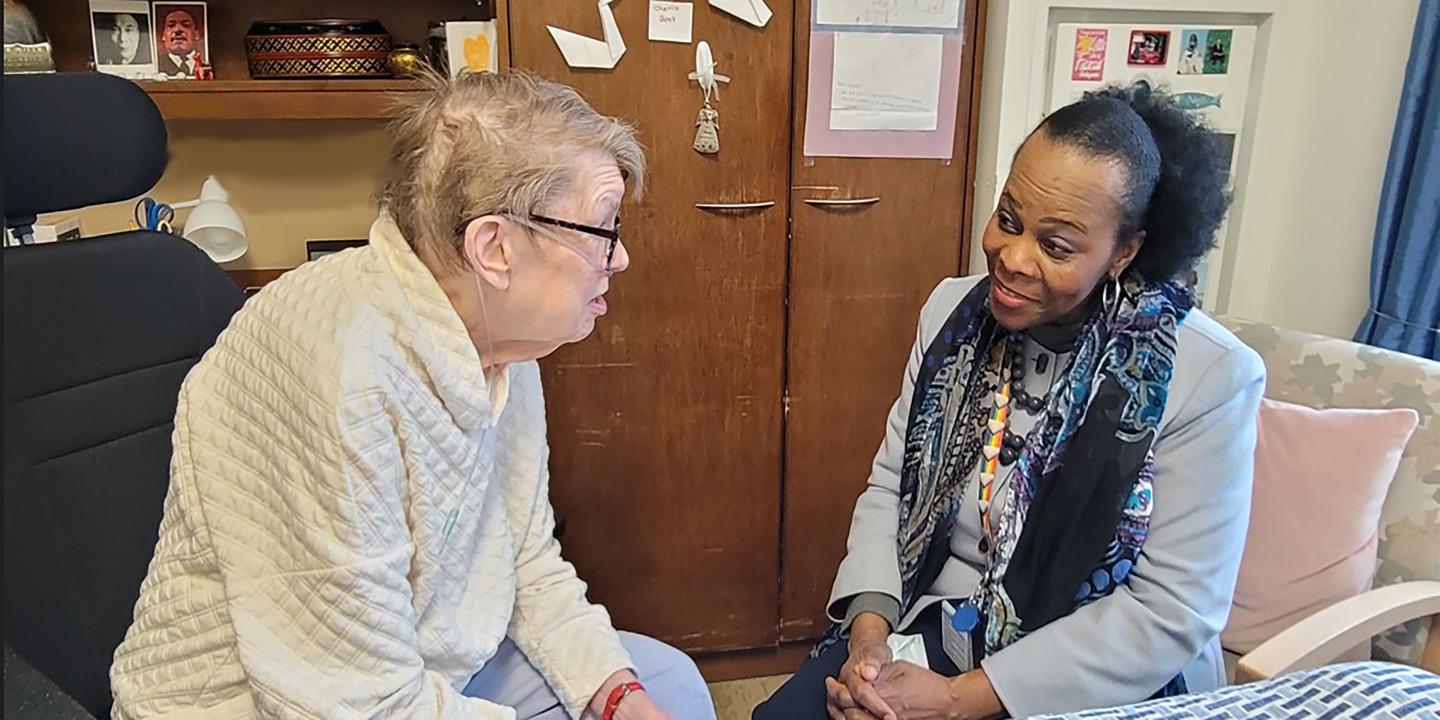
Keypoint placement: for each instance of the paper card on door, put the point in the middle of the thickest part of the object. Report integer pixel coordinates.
(670, 21)
(886, 81)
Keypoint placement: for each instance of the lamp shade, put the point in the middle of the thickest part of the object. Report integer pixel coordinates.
(214, 226)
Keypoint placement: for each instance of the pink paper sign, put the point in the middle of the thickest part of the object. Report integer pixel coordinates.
(1089, 63)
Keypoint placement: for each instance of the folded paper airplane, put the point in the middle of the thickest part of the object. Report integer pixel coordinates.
(755, 12)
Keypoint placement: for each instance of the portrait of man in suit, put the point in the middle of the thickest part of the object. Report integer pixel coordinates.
(180, 39)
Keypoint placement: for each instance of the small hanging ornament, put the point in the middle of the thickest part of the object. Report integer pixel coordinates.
(707, 131)
(707, 123)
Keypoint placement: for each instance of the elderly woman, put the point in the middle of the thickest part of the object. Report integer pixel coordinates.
(1060, 502)
(358, 522)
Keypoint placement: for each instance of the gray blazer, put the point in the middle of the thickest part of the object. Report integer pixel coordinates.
(1167, 618)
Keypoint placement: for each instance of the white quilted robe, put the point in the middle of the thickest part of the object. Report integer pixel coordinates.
(324, 447)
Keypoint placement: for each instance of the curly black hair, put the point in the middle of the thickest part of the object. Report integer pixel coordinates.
(1175, 165)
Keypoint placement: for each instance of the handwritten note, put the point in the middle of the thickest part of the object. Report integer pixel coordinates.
(890, 13)
(886, 81)
(670, 21)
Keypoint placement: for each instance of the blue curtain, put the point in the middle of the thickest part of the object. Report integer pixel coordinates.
(1405, 265)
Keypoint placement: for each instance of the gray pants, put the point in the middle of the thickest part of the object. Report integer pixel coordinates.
(671, 679)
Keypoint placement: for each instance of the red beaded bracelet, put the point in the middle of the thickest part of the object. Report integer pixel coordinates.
(618, 696)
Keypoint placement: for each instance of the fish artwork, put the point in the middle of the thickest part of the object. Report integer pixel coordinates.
(1196, 100)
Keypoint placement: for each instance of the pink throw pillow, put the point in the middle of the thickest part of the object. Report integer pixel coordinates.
(1321, 477)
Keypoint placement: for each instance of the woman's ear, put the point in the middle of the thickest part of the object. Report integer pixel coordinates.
(1125, 253)
(485, 250)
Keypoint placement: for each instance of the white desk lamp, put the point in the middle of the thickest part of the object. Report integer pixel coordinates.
(213, 225)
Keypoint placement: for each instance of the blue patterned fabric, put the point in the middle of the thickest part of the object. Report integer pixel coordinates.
(1135, 352)
(1371, 690)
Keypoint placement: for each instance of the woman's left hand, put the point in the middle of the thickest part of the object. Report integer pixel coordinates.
(917, 693)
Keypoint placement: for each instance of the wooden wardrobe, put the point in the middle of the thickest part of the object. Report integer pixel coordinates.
(709, 440)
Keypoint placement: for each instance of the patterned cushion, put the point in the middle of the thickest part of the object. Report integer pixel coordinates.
(1374, 691)
(1325, 372)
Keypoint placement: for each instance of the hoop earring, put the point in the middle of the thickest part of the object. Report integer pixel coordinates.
(1110, 296)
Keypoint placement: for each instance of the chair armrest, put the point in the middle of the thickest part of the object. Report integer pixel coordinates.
(1320, 638)
(30, 695)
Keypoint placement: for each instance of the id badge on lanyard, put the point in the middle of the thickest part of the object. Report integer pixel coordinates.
(957, 628)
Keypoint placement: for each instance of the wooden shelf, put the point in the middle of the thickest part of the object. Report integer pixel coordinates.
(233, 95)
(276, 99)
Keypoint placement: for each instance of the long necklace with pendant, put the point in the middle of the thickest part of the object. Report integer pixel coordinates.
(1002, 446)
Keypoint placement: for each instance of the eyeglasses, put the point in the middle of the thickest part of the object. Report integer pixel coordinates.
(610, 234)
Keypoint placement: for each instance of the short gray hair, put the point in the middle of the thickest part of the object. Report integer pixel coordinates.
(493, 143)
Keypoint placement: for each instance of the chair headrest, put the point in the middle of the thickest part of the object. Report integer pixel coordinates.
(78, 139)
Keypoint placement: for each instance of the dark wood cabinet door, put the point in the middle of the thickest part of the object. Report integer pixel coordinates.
(859, 275)
(665, 425)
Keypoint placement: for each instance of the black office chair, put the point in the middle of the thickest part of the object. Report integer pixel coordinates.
(99, 334)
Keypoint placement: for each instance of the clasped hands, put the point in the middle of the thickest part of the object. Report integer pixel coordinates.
(872, 686)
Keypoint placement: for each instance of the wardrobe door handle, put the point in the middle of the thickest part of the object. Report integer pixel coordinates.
(736, 206)
(843, 202)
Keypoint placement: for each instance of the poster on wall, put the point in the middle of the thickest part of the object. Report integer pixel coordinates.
(1149, 47)
(1089, 60)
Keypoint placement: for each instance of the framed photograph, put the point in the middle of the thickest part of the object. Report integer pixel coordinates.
(182, 40)
(1148, 48)
(316, 249)
(122, 37)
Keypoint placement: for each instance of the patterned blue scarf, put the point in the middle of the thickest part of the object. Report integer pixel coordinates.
(1079, 496)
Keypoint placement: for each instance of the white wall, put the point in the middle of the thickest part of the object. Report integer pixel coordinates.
(1320, 273)
(1302, 230)
(290, 180)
